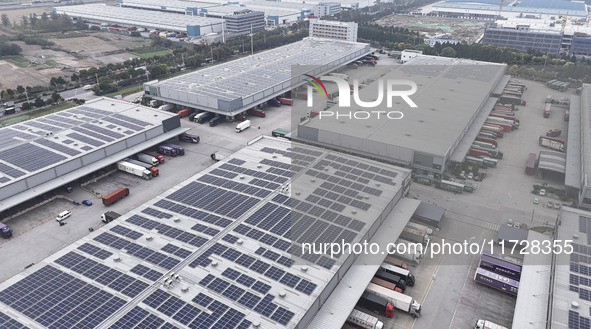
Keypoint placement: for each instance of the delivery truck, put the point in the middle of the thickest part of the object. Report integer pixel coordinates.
(396, 262)
(153, 170)
(184, 137)
(115, 196)
(158, 157)
(551, 143)
(398, 280)
(163, 149)
(485, 324)
(409, 251)
(363, 320)
(410, 234)
(147, 159)
(386, 284)
(376, 304)
(408, 277)
(420, 227)
(134, 169)
(242, 126)
(530, 166)
(166, 107)
(109, 216)
(5, 231)
(400, 301)
(179, 149)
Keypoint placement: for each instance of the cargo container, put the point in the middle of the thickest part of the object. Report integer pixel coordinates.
(422, 179)
(385, 284)
(216, 121)
(314, 114)
(474, 161)
(184, 112)
(494, 152)
(240, 117)
(410, 251)
(450, 186)
(184, 137)
(256, 113)
(376, 304)
(484, 144)
(478, 153)
(490, 162)
(484, 324)
(405, 273)
(487, 134)
(397, 280)
(398, 300)
(280, 132)
(396, 262)
(242, 126)
(153, 170)
(498, 266)
(496, 281)
(109, 216)
(552, 143)
(158, 157)
(115, 196)
(413, 235)
(166, 107)
(364, 321)
(162, 149)
(553, 132)
(274, 102)
(285, 101)
(134, 169)
(530, 166)
(487, 140)
(547, 110)
(179, 149)
(204, 117)
(506, 258)
(5, 231)
(147, 159)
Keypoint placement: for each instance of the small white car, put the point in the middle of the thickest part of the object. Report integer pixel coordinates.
(556, 205)
(536, 201)
(550, 204)
(542, 192)
(470, 175)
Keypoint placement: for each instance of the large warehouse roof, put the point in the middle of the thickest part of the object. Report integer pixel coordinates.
(227, 233)
(137, 17)
(450, 94)
(170, 5)
(41, 154)
(268, 10)
(233, 87)
(570, 282)
(549, 7)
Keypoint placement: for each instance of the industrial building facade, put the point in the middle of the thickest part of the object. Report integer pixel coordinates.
(523, 39)
(326, 9)
(242, 21)
(333, 30)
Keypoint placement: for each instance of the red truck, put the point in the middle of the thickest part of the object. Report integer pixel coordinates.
(506, 127)
(554, 132)
(274, 102)
(314, 113)
(115, 196)
(158, 157)
(494, 131)
(240, 117)
(487, 140)
(478, 153)
(531, 164)
(256, 113)
(184, 112)
(285, 101)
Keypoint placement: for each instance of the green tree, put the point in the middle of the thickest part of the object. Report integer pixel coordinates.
(20, 89)
(25, 20)
(74, 77)
(39, 102)
(44, 16)
(5, 20)
(448, 52)
(158, 70)
(26, 106)
(56, 97)
(32, 19)
(10, 93)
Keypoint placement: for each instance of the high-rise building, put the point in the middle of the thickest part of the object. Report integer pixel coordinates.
(333, 30)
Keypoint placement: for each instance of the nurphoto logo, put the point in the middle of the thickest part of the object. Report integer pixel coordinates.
(345, 97)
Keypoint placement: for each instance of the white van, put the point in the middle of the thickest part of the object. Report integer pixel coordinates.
(63, 215)
(242, 125)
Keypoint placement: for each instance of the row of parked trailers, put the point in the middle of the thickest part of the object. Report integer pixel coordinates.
(557, 84)
(499, 271)
(447, 185)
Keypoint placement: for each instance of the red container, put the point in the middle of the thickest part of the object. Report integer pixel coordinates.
(115, 196)
(314, 113)
(256, 113)
(285, 101)
(184, 112)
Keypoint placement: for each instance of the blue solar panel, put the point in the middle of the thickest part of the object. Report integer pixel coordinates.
(282, 315)
(30, 157)
(156, 298)
(186, 314)
(171, 306)
(202, 299)
(261, 287)
(57, 147)
(249, 300)
(246, 280)
(85, 139)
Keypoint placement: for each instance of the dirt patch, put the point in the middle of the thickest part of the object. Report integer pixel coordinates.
(451, 28)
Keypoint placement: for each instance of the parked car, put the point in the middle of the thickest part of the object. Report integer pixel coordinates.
(556, 205)
(550, 204)
(542, 192)
(87, 203)
(536, 201)
(470, 175)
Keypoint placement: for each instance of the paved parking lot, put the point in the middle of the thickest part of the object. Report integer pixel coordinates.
(38, 235)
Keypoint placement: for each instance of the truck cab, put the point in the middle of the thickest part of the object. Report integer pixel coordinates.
(5, 231)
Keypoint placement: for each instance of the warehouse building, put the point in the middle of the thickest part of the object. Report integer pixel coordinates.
(244, 83)
(172, 6)
(523, 38)
(216, 250)
(453, 98)
(240, 22)
(326, 9)
(570, 289)
(42, 154)
(275, 15)
(194, 26)
(333, 30)
(578, 147)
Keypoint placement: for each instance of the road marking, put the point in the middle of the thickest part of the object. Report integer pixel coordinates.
(472, 220)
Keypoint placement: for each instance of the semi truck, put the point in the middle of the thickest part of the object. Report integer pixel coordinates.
(531, 164)
(365, 321)
(147, 159)
(256, 113)
(385, 284)
(184, 112)
(397, 280)
(10, 110)
(285, 101)
(551, 143)
(376, 304)
(274, 102)
(411, 253)
(219, 155)
(485, 324)
(134, 169)
(478, 153)
(450, 186)
(396, 262)
(498, 131)
(203, 117)
(554, 132)
(484, 144)
(179, 149)
(5, 231)
(408, 277)
(109, 216)
(547, 110)
(494, 152)
(487, 140)
(158, 157)
(153, 170)
(166, 107)
(400, 301)
(242, 126)
(115, 196)
(184, 137)
(410, 234)
(420, 227)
